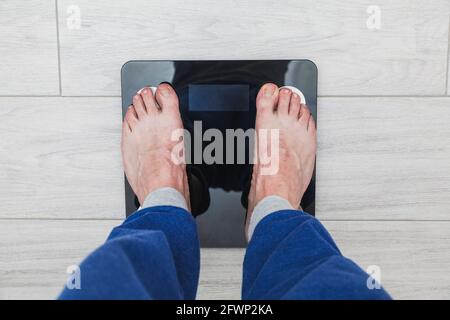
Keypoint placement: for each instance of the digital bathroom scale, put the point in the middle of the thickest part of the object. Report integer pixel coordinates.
(220, 95)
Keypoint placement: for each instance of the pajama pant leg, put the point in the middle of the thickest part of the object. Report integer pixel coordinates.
(154, 254)
(292, 256)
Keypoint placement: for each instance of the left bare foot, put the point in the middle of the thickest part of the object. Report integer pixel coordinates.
(280, 109)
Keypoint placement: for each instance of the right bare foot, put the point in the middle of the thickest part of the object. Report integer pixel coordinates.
(147, 145)
(282, 110)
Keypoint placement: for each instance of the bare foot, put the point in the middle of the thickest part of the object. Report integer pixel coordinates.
(147, 144)
(282, 110)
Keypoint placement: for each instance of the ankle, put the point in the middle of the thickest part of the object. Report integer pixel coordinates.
(167, 175)
(267, 186)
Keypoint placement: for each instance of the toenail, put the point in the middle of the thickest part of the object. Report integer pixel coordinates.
(285, 91)
(295, 96)
(164, 91)
(269, 91)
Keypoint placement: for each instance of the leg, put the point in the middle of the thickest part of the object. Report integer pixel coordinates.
(155, 253)
(290, 254)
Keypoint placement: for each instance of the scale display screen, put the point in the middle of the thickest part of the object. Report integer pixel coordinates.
(219, 97)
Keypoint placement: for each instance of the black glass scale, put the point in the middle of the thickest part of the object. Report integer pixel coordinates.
(220, 96)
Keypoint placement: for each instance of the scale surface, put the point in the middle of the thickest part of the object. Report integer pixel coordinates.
(221, 94)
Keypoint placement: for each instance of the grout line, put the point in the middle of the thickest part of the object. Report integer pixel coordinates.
(324, 96)
(447, 89)
(385, 96)
(59, 50)
(29, 96)
(94, 96)
(61, 219)
(383, 220)
(323, 220)
(54, 96)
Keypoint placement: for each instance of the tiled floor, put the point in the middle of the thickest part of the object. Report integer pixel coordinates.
(383, 183)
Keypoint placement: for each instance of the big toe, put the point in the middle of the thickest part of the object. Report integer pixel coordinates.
(167, 99)
(267, 98)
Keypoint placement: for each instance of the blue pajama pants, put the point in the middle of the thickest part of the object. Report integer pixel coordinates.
(155, 254)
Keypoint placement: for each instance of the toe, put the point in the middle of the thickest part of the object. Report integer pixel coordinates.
(131, 117)
(267, 98)
(311, 124)
(139, 106)
(304, 115)
(294, 107)
(167, 98)
(283, 101)
(126, 128)
(149, 100)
